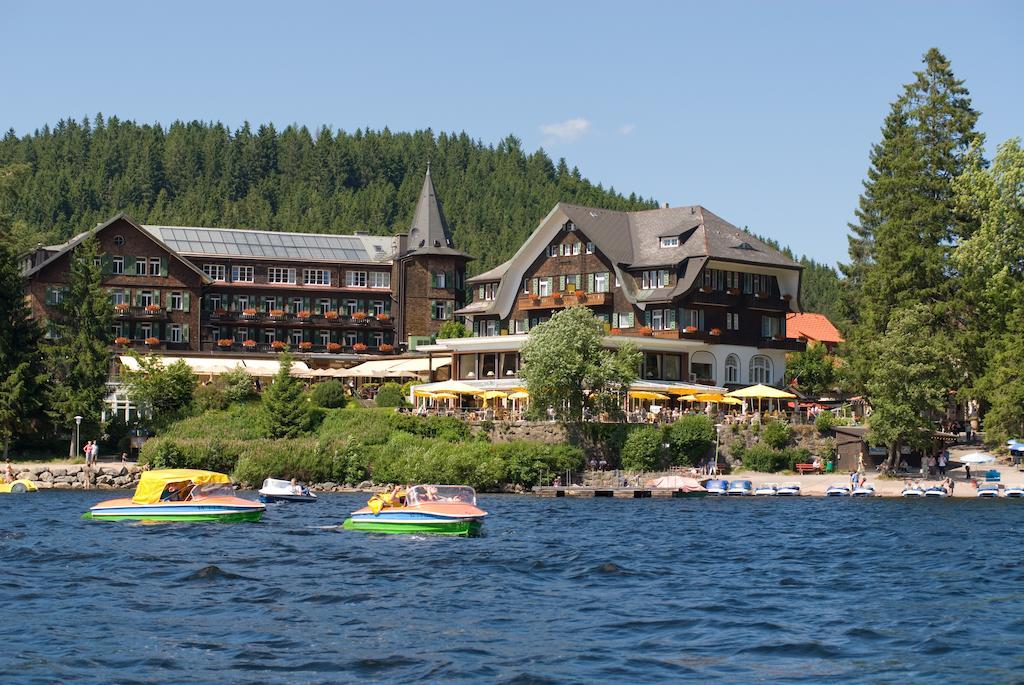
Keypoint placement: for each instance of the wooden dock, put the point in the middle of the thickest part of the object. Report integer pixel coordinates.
(622, 493)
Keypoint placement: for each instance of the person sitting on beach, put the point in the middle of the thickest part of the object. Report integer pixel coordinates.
(8, 472)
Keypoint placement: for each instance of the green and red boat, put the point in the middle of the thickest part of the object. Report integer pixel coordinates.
(423, 509)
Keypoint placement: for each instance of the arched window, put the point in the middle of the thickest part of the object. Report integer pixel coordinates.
(702, 367)
(760, 369)
(732, 369)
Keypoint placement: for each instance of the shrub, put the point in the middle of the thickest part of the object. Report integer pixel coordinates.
(390, 395)
(827, 449)
(210, 455)
(777, 434)
(409, 385)
(642, 450)
(765, 459)
(691, 437)
(797, 455)
(737, 448)
(238, 385)
(208, 397)
(825, 422)
(329, 394)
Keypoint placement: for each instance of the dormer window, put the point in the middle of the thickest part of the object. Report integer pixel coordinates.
(745, 246)
(590, 248)
(670, 241)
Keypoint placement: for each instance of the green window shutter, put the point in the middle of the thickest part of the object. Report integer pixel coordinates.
(49, 295)
(185, 297)
(561, 283)
(480, 292)
(184, 333)
(129, 266)
(535, 288)
(449, 279)
(590, 283)
(163, 267)
(308, 305)
(106, 264)
(448, 310)
(138, 298)
(671, 314)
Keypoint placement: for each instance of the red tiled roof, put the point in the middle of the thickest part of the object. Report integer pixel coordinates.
(815, 327)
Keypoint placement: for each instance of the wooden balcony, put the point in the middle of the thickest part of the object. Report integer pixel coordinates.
(790, 344)
(531, 302)
(142, 313)
(263, 318)
(733, 298)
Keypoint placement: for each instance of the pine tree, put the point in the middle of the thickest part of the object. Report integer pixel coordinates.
(78, 360)
(907, 220)
(286, 411)
(20, 367)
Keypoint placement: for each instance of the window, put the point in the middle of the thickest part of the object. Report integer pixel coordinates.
(316, 277)
(760, 369)
(296, 337)
(154, 266)
(487, 291)
(732, 369)
(213, 301)
(269, 335)
(570, 283)
(377, 339)
(325, 338)
(117, 329)
(241, 334)
(351, 306)
(590, 248)
(174, 332)
(214, 271)
(693, 317)
(770, 326)
(657, 278)
(732, 279)
(652, 365)
(117, 266)
(296, 305)
(140, 266)
(439, 279)
(544, 286)
(177, 302)
(380, 279)
(146, 298)
(355, 279)
(145, 331)
(600, 282)
(702, 367)
(576, 248)
(670, 241)
(713, 279)
(490, 327)
(748, 284)
(732, 321)
(279, 274)
(323, 306)
(622, 320)
(663, 319)
(97, 261)
(670, 367)
(242, 274)
(118, 297)
(268, 303)
(350, 338)
(440, 310)
(520, 326)
(378, 307)
(119, 240)
(552, 250)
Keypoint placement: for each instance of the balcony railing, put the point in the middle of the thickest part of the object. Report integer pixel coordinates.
(293, 319)
(529, 302)
(152, 312)
(791, 344)
(734, 298)
(268, 348)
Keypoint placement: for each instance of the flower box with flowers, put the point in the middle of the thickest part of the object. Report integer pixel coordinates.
(220, 312)
(556, 296)
(331, 315)
(305, 345)
(121, 307)
(278, 345)
(703, 289)
(778, 337)
(383, 317)
(277, 313)
(359, 316)
(690, 329)
(152, 341)
(733, 291)
(646, 330)
(761, 296)
(225, 342)
(581, 295)
(304, 314)
(615, 331)
(359, 347)
(249, 313)
(121, 340)
(333, 347)
(715, 331)
(386, 347)
(152, 308)
(249, 344)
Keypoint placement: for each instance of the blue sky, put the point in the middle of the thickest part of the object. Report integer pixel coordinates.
(763, 112)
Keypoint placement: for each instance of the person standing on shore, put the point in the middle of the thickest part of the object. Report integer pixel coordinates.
(967, 470)
(8, 471)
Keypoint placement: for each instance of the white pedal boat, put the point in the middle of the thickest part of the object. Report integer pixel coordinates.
(988, 490)
(788, 490)
(717, 486)
(936, 491)
(766, 490)
(838, 490)
(866, 490)
(913, 491)
(1014, 491)
(740, 487)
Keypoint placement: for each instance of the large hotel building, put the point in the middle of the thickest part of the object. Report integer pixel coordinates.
(705, 301)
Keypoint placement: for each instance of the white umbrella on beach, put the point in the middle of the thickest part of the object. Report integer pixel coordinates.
(975, 458)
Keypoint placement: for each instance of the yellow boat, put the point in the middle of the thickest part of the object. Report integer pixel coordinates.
(18, 486)
(180, 495)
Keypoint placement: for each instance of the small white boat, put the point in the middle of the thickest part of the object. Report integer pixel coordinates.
(788, 490)
(1014, 491)
(988, 490)
(838, 490)
(767, 490)
(936, 491)
(740, 487)
(866, 490)
(276, 490)
(913, 491)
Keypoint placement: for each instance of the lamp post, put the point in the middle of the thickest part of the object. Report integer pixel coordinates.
(718, 439)
(78, 426)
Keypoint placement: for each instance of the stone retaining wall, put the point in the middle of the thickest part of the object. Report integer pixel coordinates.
(73, 476)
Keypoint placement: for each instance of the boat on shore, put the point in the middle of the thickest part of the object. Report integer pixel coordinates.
(740, 487)
(936, 491)
(866, 490)
(838, 490)
(766, 490)
(988, 490)
(431, 509)
(913, 491)
(276, 490)
(1014, 491)
(717, 486)
(788, 490)
(180, 495)
(17, 487)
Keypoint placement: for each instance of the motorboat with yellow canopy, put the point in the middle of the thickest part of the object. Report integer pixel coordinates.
(180, 495)
(433, 509)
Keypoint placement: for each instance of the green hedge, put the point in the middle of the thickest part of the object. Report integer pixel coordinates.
(642, 451)
(767, 460)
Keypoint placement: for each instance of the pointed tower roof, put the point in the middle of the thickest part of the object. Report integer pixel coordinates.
(429, 233)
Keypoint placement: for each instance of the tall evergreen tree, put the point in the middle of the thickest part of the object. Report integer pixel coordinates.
(78, 360)
(286, 410)
(907, 220)
(20, 368)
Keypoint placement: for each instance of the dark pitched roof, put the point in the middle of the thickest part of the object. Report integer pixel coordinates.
(429, 233)
(494, 274)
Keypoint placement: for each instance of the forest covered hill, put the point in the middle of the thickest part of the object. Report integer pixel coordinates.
(79, 173)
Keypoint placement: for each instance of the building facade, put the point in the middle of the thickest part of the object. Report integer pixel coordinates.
(703, 300)
(198, 289)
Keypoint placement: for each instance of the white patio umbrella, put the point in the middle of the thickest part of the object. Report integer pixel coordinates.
(975, 458)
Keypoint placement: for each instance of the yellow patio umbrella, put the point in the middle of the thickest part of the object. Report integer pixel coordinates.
(647, 395)
(731, 400)
(687, 398)
(762, 391)
(443, 396)
(494, 394)
(709, 397)
(682, 390)
(519, 395)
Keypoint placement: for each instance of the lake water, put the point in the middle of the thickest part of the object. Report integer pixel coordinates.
(558, 590)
